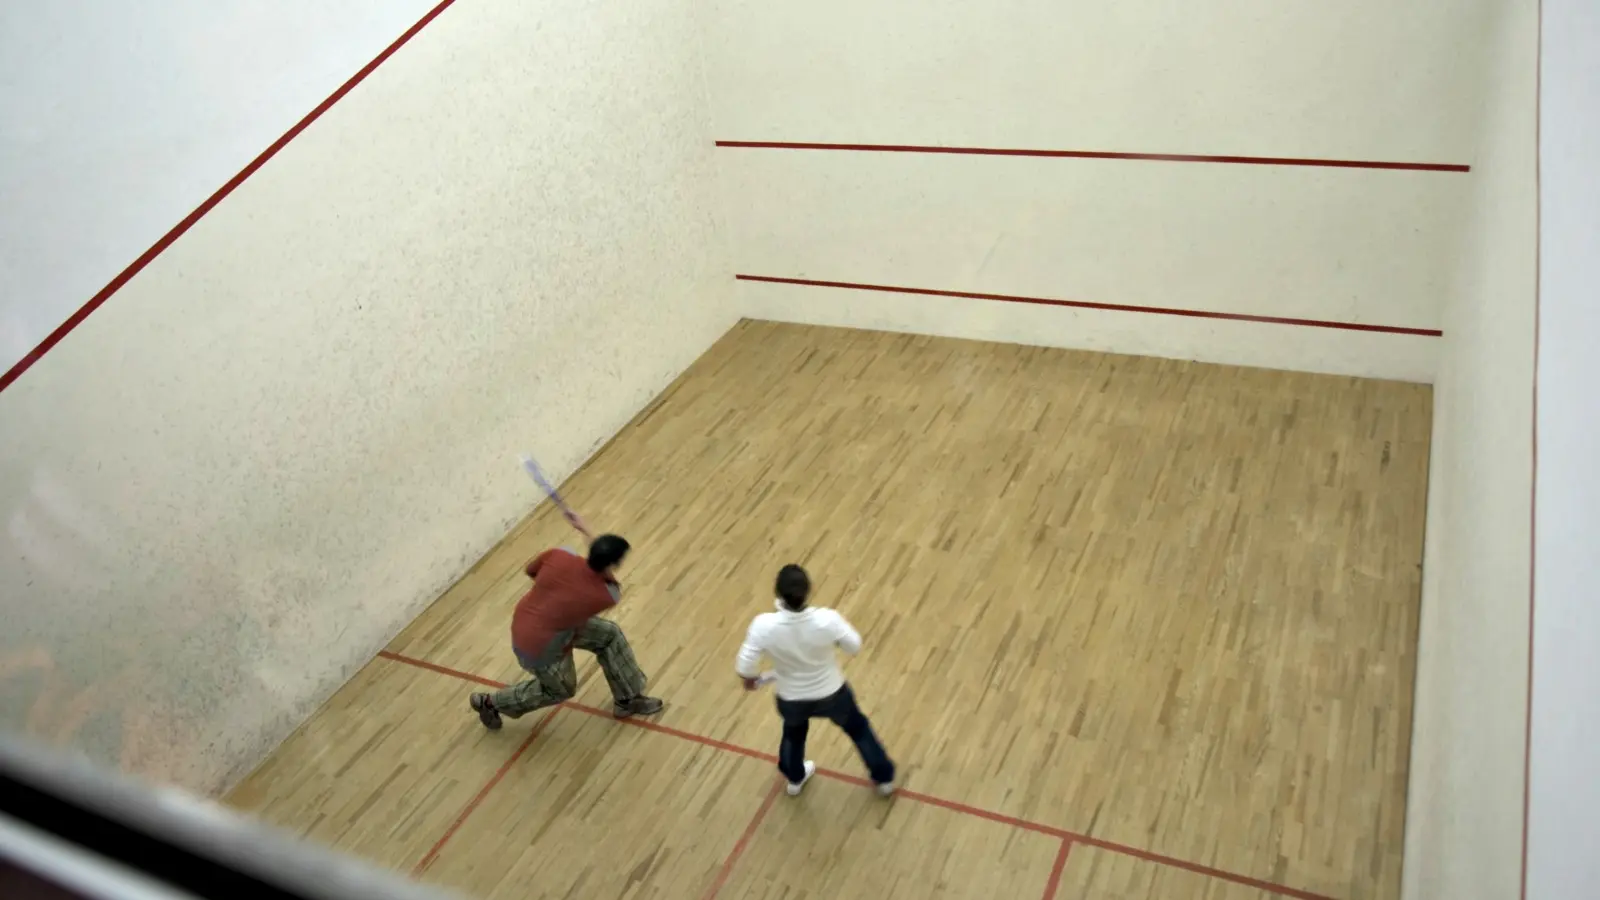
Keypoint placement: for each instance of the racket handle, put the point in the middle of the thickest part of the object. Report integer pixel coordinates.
(532, 468)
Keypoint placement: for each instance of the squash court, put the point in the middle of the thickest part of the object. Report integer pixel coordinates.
(1134, 628)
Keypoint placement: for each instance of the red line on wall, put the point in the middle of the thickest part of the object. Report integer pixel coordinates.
(1083, 304)
(744, 840)
(1105, 154)
(178, 230)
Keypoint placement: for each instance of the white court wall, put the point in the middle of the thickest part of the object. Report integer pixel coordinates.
(235, 481)
(1464, 809)
(1364, 81)
(1564, 801)
(117, 119)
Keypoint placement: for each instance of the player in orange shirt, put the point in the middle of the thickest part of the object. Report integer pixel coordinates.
(560, 613)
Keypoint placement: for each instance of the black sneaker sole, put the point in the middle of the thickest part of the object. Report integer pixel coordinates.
(488, 715)
(628, 712)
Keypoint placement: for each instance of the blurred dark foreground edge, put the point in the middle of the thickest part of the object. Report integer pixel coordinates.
(70, 830)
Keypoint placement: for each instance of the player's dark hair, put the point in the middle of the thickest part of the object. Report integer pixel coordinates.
(794, 586)
(606, 551)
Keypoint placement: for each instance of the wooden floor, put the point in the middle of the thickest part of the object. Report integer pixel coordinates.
(1135, 628)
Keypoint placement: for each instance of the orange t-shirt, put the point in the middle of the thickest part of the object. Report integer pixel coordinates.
(565, 594)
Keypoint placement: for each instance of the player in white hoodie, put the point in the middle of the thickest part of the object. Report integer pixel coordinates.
(800, 642)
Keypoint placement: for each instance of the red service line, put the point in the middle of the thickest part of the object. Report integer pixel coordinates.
(1084, 304)
(1104, 154)
(472, 805)
(1068, 837)
(744, 840)
(1054, 883)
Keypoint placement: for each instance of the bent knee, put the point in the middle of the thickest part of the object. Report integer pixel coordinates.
(603, 631)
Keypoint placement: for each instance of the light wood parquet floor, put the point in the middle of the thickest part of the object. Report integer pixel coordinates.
(1135, 628)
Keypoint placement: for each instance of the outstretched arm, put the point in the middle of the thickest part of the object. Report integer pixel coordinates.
(748, 664)
(848, 639)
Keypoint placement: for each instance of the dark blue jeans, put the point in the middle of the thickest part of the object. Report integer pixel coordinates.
(841, 708)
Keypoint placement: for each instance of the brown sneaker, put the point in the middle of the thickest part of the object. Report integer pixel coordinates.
(638, 706)
(483, 705)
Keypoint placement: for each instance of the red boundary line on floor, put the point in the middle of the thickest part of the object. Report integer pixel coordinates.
(472, 805)
(1084, 304)
(1053, 884)
(1304, 162)
(442, 670)
(952, 805)
(126, 275)
(744, 840)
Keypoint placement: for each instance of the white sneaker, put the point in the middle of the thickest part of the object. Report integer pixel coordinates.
(795, 787)
(886, 789)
